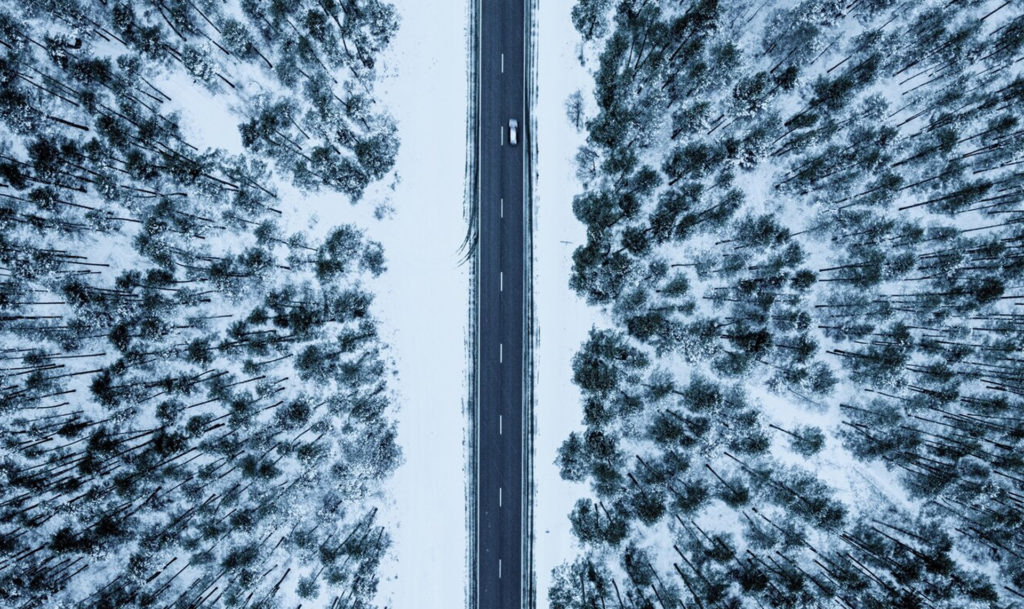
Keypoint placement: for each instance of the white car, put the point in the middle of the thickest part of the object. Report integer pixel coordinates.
(513, 131)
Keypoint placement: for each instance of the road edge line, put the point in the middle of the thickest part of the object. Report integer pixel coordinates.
(471, 202)
(529, 595)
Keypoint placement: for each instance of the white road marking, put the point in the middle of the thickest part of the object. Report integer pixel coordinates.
(503, 207)
(499, 496)
(502, 63)
(501, 281)
(499, 424)
(499, 568)
(503, 135)
(501, 352)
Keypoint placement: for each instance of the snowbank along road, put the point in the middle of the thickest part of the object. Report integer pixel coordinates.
(500, 573)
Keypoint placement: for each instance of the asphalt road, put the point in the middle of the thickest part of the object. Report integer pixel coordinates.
(501, 304)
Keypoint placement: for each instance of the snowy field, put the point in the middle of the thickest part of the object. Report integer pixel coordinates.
(562, 319)
(423, 299)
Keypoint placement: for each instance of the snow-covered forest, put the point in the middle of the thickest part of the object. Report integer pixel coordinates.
(195, 400)
(804, 233)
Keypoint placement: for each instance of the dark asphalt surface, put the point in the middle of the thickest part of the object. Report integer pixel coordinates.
(500, 418)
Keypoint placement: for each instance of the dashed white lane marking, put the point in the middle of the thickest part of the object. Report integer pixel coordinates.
(501, 352)
(501, 281)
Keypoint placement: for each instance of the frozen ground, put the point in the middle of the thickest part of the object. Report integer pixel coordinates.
(562, 319)
(423, 301)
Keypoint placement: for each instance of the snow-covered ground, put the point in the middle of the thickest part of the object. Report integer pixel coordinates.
(561, 318)
(423, 303)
